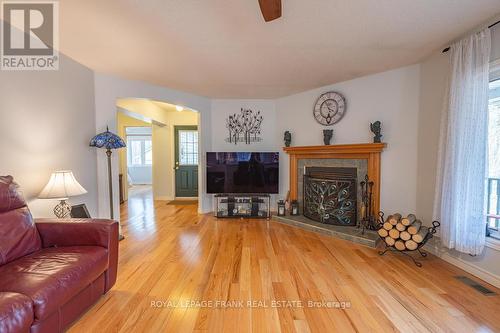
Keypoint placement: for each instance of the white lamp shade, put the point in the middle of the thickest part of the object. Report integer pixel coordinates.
(61, 185)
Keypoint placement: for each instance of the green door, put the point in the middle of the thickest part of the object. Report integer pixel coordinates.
(186, 161)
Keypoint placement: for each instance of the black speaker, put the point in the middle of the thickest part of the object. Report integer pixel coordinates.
(230, 206)
(255, 206)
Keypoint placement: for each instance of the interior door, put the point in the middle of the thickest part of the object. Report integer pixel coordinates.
(186, 161)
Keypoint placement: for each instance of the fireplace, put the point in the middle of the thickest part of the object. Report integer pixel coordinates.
(330, 195)
(365, 158)
(333, 174)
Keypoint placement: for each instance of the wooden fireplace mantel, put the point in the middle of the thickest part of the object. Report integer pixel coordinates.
(368, 151)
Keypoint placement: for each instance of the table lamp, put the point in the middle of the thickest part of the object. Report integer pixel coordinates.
(62, 185)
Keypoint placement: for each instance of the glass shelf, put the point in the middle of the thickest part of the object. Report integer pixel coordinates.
(242, 205)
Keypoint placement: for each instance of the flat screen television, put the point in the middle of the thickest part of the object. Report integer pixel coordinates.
(242, 172)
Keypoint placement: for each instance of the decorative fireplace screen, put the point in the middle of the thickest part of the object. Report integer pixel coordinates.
(330, 195)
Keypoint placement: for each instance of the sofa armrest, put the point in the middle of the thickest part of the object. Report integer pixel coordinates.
(83, 232)
(76, 232)
(16, 312)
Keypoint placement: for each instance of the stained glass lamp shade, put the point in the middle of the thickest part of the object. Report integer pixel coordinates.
(108, 140)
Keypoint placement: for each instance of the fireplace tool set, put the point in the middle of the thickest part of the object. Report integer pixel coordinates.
(368, 220)
(405, 235)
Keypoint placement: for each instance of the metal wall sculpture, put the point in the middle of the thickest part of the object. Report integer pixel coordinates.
(244, 127)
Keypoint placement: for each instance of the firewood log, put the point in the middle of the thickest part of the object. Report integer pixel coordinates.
(400, 245)
(411, 245)
(404, 235)
(408, 220)
(394, 233)
(387, 226)
(400, 226)
(382, 232)
(394, 218)
(389, 241)
(415, 227)
(419, 236)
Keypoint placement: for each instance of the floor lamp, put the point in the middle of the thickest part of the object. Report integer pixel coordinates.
(109, 141)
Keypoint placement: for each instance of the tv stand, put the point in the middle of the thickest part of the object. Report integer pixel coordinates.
(242, 205)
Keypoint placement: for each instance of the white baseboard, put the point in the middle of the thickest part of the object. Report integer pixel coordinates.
(166, 198)
(163, 198)
(477, 271)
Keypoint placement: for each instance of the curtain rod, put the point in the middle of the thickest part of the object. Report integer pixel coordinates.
(489, 27)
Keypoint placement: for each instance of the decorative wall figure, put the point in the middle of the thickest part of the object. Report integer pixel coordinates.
(287, 138)
(327, 136)
(244, 127)
(376, 128)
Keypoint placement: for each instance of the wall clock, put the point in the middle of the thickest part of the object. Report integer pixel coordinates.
(329, 108)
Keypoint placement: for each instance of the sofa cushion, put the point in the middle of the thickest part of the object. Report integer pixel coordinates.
(18, 234)
(16, 313)
(52, 276)
(10, 196)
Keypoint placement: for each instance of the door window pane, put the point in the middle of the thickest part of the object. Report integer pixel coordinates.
(188, 147)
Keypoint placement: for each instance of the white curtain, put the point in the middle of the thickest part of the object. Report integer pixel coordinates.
(461, 177)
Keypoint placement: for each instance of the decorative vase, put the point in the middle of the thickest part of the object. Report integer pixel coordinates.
(287, 138)
(376, 129)
(327, 136)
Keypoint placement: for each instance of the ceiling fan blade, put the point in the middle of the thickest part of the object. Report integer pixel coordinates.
(271, 9)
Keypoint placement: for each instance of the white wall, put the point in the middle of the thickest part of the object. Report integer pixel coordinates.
(434, 76)
(391, 97)
(108, 90)
(223, 108)
(46, 122)
(140, 175)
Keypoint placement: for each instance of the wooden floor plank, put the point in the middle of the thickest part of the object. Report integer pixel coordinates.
(173, 255)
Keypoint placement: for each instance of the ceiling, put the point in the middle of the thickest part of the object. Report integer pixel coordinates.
(224, 49)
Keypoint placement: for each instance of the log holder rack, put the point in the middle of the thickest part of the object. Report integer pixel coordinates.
(430, 233)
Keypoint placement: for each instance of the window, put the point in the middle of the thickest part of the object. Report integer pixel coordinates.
(493, 185)
(139, 146)
(188, 147)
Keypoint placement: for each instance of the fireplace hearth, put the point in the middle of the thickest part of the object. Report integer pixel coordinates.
(330, 195)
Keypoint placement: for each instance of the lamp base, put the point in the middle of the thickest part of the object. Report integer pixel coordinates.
(62, 210)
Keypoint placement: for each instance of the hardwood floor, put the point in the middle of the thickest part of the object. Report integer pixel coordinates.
(172, 255)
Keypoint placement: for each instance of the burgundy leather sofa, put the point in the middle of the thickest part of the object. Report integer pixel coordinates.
(51, 270)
